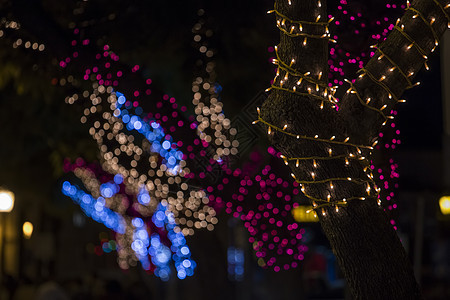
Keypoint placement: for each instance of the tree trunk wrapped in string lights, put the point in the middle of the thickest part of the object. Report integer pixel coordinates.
(329, 149)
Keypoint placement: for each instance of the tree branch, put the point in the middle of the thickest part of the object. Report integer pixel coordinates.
(393, 67)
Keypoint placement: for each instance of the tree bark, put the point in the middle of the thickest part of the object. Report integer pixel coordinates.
(329, 150)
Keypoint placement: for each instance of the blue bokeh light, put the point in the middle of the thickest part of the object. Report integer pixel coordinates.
(141, 241)
(181, 255)
(153, 132)
(94, 208)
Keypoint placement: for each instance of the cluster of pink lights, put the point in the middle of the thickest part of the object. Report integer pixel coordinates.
(275, 236)
(348, 60)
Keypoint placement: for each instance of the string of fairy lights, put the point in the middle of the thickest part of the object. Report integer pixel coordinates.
(355, 23)
(289, 80)
(294, 28)
(206, 99)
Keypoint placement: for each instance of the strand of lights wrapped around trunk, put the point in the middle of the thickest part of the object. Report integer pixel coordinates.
(356, 22)
(318, 203)
(285, 84)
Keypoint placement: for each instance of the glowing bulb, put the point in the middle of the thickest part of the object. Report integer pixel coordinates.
(6, 201)
(27, 229)
(444, 205)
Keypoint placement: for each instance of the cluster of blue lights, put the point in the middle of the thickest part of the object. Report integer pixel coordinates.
(181, 253)
(236, 261)
(95, 208)
(152, 131)
(141, 242)
(160, 255)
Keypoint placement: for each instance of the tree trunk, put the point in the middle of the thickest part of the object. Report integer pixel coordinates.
(329, 150)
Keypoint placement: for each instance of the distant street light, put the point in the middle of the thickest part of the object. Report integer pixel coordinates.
(6, 205)
(444, 204)
(6, 200)
(27, 230)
